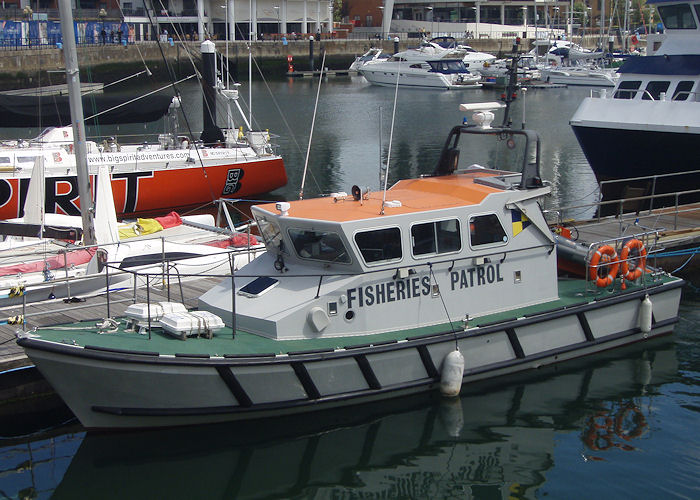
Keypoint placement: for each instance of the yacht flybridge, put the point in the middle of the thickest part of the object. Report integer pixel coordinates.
(442, 280)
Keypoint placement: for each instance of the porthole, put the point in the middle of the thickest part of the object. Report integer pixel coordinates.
(349, 315)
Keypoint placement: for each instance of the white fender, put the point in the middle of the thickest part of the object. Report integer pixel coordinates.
(645, 310)
(452, 373)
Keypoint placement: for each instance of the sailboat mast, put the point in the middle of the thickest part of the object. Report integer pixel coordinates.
(76, 114)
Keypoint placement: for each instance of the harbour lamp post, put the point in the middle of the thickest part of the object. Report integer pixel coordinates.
(330, 18)
(556, 15)
(277, 10)
(381, 9)
(589, 15)
(524, 7)
(430, 9)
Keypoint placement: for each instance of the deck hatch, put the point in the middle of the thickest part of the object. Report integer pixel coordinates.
(258, 286)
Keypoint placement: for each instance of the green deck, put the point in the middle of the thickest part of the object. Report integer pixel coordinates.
(571, 292)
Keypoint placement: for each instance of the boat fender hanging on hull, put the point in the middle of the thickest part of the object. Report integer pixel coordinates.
(452, 373)
(645, 314)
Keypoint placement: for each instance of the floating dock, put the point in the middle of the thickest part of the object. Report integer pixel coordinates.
(62, 89)
(675, 248)
(91, 308)
(326, 72)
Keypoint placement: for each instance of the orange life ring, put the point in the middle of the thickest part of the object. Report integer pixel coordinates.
(636, 273)
(605, 256)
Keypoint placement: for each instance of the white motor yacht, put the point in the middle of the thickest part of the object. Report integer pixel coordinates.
(442, 73)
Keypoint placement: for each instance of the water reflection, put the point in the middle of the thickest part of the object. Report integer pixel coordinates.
(497, 443)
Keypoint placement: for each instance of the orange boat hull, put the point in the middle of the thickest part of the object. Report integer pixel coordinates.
(142, 192)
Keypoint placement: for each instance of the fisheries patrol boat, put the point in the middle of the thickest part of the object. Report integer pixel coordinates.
(442, 280)
(146, 178)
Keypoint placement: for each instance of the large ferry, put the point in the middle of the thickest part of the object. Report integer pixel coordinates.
(649, 124)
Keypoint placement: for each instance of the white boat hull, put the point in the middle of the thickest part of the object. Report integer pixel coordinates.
(422, 79)
(119, 389)
(575, 76)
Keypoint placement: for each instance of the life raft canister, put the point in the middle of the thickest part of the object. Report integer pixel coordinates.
(635, 271)
(604, 257)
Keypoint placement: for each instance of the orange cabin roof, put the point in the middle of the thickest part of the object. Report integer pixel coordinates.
(415, 195)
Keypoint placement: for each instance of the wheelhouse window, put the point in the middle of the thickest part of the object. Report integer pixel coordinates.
(270, 231)
(486, 230)
(683, 90)
(654, 90)
(627, 89)
(325, 246)
(437, 237)
(380, 245)
(677, 17)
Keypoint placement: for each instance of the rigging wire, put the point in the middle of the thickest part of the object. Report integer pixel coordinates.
(313, 122)
(391, 137)
(171, 75)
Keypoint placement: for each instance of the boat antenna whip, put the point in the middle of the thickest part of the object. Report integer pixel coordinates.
(313, 122)
(391, 138)
(510, 92)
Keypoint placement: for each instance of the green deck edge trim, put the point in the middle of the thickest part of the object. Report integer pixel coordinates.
(571, 292)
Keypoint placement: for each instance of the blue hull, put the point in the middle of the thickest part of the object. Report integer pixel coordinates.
(619, 154)
(616, 154)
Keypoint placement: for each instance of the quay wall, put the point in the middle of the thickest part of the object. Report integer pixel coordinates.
(33, 67)
(41, 66)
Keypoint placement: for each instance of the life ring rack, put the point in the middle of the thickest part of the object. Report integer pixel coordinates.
(605, 255)
(640, 267)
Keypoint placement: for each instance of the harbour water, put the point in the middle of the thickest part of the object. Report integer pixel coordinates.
(617, 426)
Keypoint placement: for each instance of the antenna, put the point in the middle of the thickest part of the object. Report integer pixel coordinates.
(509, 95)
(391, 137)
(313, 122)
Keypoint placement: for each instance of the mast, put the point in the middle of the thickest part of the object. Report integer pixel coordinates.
(76, 114)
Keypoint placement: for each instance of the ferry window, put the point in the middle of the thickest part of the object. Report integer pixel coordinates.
(319, 245)
(380, 245)
(436, 237)
(682, 90)
(677, 17)
(486, 230)
(26, 159)
(4, 159)
(654, 89)
(270, 231)
(631, 86)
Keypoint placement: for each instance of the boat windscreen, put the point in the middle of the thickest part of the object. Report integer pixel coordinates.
(448, 66)
(319, 245)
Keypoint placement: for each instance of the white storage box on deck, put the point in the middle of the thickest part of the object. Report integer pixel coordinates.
(188, 324)
(137, 314)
